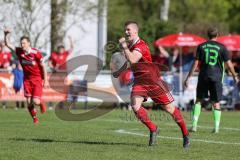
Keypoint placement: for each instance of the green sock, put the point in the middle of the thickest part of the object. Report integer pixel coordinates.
(196, 113)
(217, 117)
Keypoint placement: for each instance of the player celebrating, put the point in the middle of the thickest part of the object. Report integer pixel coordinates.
(211, 56)
(35, 74)
(57, 60)
(137, 53)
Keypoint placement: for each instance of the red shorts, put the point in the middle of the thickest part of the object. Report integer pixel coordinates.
(33, 88)
(158, 94)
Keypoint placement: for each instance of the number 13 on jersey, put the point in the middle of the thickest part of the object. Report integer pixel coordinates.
(211, 56)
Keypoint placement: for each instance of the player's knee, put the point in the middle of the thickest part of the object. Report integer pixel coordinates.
(36, 101)
(29, 101)
(169, 108)
(135, 107)
(216, 106)
(198, 101)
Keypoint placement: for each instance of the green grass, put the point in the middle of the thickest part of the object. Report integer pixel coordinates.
(55, 139)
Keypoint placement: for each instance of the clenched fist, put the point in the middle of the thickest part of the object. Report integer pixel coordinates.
(123, 43)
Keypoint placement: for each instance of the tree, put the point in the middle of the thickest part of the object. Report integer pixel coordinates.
(44, 21)
(165, 10)
(234, 17)
(68, 10)
(195, 16)
(58, 16)
(27, 18)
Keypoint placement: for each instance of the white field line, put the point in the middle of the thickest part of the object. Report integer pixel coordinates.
(122, 131)
(170, 124)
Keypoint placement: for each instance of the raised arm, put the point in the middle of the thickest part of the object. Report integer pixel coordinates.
(163, 51)
(6, 40)
(132, 57)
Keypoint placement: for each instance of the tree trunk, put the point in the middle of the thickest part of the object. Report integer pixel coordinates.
(164, 10)
(58, 17)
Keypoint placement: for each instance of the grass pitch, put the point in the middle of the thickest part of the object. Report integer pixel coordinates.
(114, 136)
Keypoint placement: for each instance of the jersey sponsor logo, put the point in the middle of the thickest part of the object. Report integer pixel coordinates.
(26, 62)
(211, 46)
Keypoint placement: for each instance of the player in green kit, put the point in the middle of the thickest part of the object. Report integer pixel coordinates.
(212, 56)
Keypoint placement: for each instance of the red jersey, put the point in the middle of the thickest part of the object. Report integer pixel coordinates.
(142, 48)
(58, 59)
(144, 70)
(31, 63)
(147, 82)
(5, 57)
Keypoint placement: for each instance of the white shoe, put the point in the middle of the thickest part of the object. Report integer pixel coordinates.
(215, 130)
(193, 129)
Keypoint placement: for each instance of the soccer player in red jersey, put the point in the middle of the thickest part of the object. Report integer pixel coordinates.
(146, 83)
(5, 57)
(35, 74)
(57, 60)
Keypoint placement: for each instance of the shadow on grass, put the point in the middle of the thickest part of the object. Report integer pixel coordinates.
(41, 140)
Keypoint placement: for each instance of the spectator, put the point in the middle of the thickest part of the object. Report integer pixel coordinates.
(5, 57)
(57, 60)
(187, 59)
(18, 81)
(173, 57)
(236, 61)
(161, 56)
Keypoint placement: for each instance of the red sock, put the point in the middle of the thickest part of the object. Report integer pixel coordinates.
(42, 106)
(142, 115)
(32, 111)
(177, 116)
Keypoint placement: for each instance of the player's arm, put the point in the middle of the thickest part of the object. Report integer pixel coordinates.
(231, 69)
(7, 41)
(44, 70)
(132, 57)
(163, 51)
(193, 68)
(194, 65)
(50, 63)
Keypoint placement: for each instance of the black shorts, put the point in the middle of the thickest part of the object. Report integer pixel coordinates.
(214, 87)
